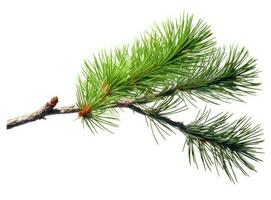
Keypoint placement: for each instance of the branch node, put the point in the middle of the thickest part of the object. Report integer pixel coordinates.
(85, 111)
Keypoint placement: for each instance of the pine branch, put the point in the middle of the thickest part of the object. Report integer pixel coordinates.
(175, 63)
(218, 142)
(223, 144)
(171, 65)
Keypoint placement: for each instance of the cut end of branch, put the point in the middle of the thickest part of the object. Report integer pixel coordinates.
(54, 101)
(48, 106)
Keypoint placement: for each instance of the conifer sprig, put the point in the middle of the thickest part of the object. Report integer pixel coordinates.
(224, 76)
(223, 144)
(218, 142)
(151, 62)
(156, 76)
(176, 63)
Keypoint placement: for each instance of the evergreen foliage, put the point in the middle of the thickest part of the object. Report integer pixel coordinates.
(174, 64)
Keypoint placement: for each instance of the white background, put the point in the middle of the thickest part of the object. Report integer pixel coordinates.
(43, 44)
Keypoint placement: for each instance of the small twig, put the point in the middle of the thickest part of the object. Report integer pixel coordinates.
(47, 109)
